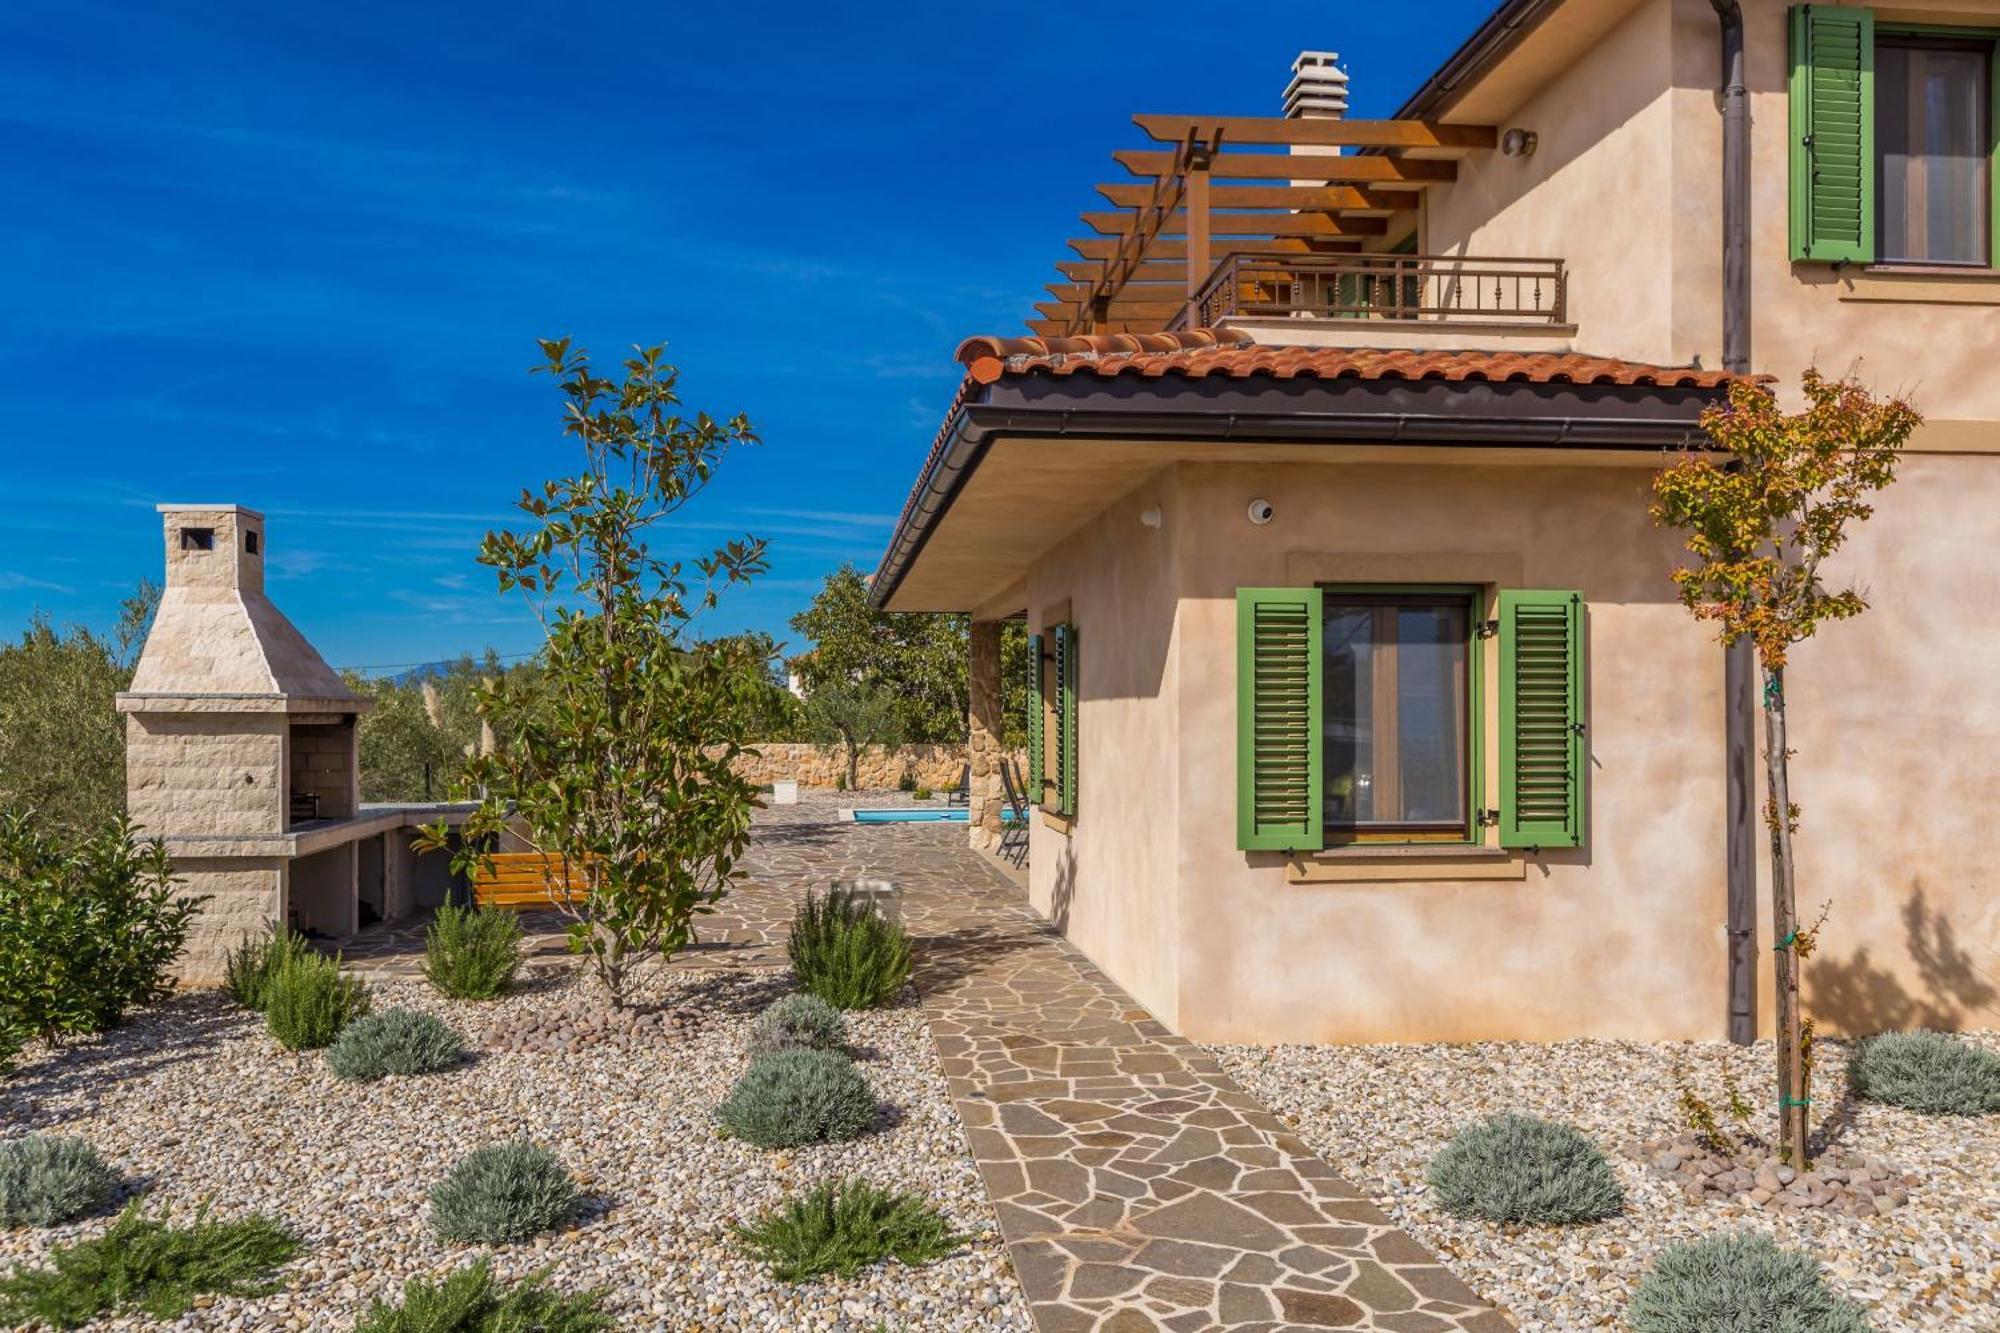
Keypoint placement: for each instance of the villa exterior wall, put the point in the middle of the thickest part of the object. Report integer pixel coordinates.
(1620, 938)
(1108, 878)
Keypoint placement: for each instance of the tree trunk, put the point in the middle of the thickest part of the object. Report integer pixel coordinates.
(1792, 1129)
(853, 764)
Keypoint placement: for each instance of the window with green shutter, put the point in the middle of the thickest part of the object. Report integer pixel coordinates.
(1543, 753)
(1064, 714)
(1279, 751)
(1037, 725)
(1833, 133)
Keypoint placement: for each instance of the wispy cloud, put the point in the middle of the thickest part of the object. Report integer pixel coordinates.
(11, 581)
(829, 516)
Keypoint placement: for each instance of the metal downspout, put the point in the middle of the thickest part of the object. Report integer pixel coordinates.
(1739, 675)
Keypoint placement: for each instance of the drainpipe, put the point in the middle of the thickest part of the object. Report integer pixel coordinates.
(1739, 674)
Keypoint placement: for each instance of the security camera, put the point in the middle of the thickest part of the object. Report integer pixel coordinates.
(1260, 512)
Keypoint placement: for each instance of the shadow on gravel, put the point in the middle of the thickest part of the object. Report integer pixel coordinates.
(176, 1031)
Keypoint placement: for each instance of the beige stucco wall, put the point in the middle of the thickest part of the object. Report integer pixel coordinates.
(1625, 185)
(1623, 938)
(1109, 879)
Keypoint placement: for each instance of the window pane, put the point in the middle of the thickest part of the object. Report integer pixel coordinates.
(1395, 712)
(1932, 136)
(1349, 673)
(1430, 693)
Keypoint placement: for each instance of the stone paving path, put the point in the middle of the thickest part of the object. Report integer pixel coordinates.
(1138, 1186)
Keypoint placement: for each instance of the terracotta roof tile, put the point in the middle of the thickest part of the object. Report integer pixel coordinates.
(1199, 353)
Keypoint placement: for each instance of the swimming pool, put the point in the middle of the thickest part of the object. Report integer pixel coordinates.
(908, 815)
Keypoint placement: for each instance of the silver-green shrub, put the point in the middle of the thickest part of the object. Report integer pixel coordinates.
(501, 1194)
(45, 1180)
(1739, 1284)
(399, 1041)
(1926, 1071)
(798, 1022)
(1517, 1168)
(308, 1001)
(789, 1098)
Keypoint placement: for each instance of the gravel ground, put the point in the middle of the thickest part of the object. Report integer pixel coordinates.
(1379, 1113)
(195, 1102)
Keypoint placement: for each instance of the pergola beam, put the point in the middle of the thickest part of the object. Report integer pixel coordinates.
(1244, 224)
(1104, 247)
(1310, 198)
(1297, 167)
(1319, 132)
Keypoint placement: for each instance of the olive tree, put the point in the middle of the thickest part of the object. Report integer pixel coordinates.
(1762, 516)
(615, 756)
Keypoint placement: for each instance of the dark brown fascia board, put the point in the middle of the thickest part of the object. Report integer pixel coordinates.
(1490, 42)
(1263, 410)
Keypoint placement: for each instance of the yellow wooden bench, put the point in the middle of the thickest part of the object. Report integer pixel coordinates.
(528, 880)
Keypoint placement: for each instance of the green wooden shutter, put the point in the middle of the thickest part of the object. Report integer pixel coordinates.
(1543, 754)
(1066, 719)
(1279, 748)
(1036, 737)
(1833, 133)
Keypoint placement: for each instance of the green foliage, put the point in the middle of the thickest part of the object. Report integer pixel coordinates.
(842, 1227)
(1764, 513)
(848, 954)
(424, 726)
(247, 972)
(850, 716)
(471, 1301)
(1516, 1168)
(400, 1041)
(907, 782)
(922, 793)
(45, 1180)
(789, 1098)
(472, 953)
(56, 700)
(1926, 1071)
(503, 1193)
(794, 1022)
(916, 664)
(144, 1265)
(308, 1000)
(89, 926)
(619, 757)
(1739, 1284)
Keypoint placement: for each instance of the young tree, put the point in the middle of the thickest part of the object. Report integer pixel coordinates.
(918, 659)
(852, 715)
(615, 759)
(1762, 517)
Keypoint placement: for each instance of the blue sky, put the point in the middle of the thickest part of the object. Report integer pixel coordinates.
(296, 257)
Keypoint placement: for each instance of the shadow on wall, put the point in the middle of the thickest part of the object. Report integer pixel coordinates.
(1063, 893)
(1859, 997)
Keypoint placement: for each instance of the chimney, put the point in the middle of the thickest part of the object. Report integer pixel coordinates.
(214, 546)
(1318, 87)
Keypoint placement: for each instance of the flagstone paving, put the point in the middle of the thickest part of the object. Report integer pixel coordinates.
(1138, 1186)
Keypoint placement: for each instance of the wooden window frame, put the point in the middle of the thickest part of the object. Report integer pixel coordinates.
(1476, 600)
(1940, 36)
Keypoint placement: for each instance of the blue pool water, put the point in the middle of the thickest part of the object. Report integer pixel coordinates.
(958, 815)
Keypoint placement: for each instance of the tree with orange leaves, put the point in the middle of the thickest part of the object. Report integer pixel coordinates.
(1763, 512)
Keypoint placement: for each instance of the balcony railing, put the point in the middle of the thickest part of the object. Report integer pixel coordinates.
(1450, 289)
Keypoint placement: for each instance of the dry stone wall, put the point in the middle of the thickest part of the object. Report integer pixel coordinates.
(933, 766)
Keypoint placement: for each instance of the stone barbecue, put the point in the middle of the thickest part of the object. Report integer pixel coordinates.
(242, 755)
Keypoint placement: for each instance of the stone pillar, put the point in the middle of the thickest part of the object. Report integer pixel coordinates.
(985, 716)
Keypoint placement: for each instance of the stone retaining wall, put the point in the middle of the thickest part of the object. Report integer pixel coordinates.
(933, 766)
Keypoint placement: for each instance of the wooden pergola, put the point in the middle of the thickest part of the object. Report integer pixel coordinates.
(1198, 203)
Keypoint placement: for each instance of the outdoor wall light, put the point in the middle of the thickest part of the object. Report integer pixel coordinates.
(1261, 512)
(1518, 142)
(1150, 517)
